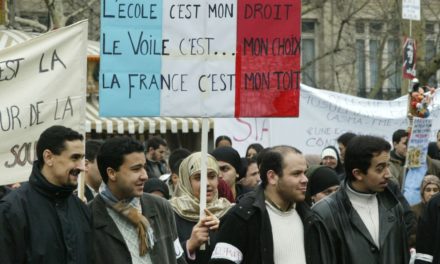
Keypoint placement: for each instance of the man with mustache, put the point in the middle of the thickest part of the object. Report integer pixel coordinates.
(42, 221)
(130, 226)
(364, 217)
(273, 223)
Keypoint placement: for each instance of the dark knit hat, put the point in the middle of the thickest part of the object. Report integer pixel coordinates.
(155, 184)
(228, 155)
(321, 178)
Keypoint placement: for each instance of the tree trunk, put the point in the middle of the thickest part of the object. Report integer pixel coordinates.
(56, 11)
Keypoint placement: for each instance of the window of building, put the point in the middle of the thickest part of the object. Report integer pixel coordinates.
(394, 82)
(360, 68)
(308, 53)
(431, 47)
(374, 57)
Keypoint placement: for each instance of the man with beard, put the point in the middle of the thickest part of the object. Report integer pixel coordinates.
(273, 224)
(364, 217)
(130, 226)
(42, 221)
(156, 148)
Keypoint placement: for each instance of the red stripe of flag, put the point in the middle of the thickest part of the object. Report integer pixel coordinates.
(268, 58)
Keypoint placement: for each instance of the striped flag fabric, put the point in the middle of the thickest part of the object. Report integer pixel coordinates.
(200, 58)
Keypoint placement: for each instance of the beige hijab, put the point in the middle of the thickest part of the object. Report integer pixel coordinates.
(184, 203)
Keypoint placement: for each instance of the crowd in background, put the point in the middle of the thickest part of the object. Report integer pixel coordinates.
(275, 205)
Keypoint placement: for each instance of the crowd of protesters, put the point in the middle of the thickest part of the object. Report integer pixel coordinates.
(271, 206)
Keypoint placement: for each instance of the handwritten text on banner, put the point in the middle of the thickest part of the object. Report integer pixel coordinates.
(200, 58)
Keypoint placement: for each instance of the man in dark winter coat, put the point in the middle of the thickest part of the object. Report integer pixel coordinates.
(274, 224)
(42, 221)
(156, 165)
(364, 218)
(4, 190)
(428, 233)
(130, 226)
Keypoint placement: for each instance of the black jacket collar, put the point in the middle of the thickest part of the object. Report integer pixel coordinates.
(43, 186)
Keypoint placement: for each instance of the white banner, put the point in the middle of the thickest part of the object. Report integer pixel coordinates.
(42, 83)
(411, 9)
(324, 116)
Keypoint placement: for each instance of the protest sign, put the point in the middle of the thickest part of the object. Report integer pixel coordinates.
(409, 58)
(42, 83)
(324, 116)
(200, 58)
(416, 159)
(411, 9)
(418, 142)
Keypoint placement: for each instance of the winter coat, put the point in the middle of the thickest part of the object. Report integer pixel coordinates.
(4, 190)
(351, 239)
(184, 230)
(44, 223)
(428, 233)
(109, 245)
(162, 166)
(247, 227)
(397, 169)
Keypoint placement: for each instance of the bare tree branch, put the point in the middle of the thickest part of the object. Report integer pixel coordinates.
(31, 23)
(56, 11)
(80, 10)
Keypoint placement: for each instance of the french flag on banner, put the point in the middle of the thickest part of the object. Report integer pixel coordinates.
(200, 58)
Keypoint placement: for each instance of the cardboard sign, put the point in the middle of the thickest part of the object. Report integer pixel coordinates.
(409, 58)
(42, 83)
(411, 9)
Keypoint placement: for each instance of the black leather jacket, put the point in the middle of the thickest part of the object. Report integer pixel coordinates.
(350, 238)
(428, 233)
(247, 227)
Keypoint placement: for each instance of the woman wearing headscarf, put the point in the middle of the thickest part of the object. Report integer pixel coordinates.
(330, 158)
(430, 186)
(194, 232)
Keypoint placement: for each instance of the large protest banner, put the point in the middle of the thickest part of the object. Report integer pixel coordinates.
(324, 115)
(200, 58)
(42, 83)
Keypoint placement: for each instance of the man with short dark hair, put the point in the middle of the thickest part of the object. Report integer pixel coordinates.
(364, 218)
(343, 142)
(156, 165)
(130, 226)
(398, 156)
(174, 161)
(42, 221)
(92, 176)
(273, 224)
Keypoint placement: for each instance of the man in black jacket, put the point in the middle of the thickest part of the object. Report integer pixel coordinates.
(274, 224)
(42, 221)
(428, 234)
(92, 176)
(364, 218)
